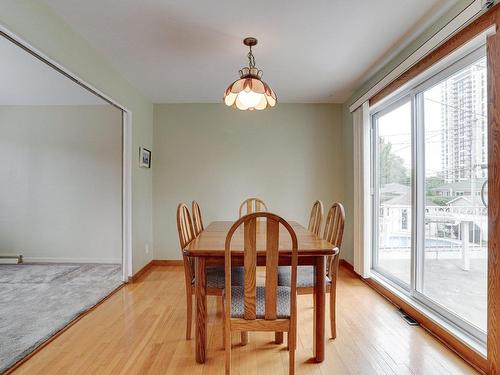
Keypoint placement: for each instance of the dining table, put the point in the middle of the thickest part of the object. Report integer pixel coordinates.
(208, 249)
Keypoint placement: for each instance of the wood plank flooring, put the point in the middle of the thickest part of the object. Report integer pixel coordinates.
(140, 330)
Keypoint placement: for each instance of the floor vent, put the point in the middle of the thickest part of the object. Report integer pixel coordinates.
(408, 319)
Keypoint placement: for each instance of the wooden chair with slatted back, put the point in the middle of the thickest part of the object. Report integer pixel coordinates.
(252, 205)
(334, 232)
(316, 217)
(261, 308)
(214, 275)
(197, 221)
(334, 229)
(186, 235)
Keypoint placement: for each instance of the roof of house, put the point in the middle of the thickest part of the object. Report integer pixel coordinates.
(466, 201)
(394, 188)
(460, 185)
(405, 200)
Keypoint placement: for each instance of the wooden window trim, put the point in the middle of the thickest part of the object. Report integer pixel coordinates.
(456, 41)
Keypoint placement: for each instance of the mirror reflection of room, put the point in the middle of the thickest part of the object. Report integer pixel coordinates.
(60, 201)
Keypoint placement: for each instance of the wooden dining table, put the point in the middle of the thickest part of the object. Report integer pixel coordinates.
(208, 250)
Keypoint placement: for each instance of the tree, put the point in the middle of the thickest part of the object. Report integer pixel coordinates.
(392, 168)
(432, 182)
(440, 201)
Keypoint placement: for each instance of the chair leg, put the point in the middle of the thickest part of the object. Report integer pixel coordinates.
(291, 360)
(244, 338)
(227, 344)
(223, 324)
(292, 344)
(189, 315)
(333, 304)
(220, 302)
(278, 337)
(333, 319)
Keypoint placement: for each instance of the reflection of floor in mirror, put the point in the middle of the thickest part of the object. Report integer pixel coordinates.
(39, 299)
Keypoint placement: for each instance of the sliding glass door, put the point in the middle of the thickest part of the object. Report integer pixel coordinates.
(429, 193)
(393, 165)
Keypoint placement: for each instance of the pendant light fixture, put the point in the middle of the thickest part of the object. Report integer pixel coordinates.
(250, 91)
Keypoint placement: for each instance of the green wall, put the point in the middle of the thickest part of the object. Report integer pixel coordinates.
(38, 25)
(288, 156)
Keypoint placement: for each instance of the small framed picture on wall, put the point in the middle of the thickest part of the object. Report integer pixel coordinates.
(144, 158)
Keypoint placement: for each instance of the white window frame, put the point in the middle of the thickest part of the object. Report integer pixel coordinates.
(362, 190)
(399, 101)
(413, 91)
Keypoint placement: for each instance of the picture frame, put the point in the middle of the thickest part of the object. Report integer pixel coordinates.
(144, 157)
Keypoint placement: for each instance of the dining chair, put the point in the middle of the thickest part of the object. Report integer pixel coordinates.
(197, 221)
(333, 232)
(252, 205)
(316, 217)
(214, 275)
(261, 308)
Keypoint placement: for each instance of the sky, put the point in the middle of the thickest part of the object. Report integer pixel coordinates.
(395, 127)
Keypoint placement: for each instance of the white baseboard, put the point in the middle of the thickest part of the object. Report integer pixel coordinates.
(28, 259)
(8, 261)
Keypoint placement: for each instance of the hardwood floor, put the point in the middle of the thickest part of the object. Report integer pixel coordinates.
(141, 329)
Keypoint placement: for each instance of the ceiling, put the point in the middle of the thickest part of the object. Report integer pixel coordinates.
(25, 80)
(189, 51)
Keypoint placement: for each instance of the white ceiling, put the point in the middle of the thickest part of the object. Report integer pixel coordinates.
(25, 80)
(189, 51)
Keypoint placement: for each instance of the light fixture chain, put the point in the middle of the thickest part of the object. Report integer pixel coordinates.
(251, 58)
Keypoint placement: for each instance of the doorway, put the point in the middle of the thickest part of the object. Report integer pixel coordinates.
(65, 198)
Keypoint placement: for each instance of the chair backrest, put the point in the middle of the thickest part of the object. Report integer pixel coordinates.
(186, 235)
(334, 226)
(184, 225)
(334, 231)
(252, 205)
(197, 221)
(316, 217)
(250, 224)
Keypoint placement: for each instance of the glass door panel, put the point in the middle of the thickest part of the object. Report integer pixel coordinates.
(454, 267)
(393, 192)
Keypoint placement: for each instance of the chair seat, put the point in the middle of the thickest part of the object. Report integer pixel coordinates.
(305, 276)
(282, 302)
(216, 279)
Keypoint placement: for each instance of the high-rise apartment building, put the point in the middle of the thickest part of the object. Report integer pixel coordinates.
(464, 124)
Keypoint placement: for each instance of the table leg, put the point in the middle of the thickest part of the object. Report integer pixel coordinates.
(201, 309)
(278, 337)
(319, 309)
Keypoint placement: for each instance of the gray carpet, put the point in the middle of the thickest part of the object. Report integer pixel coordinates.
(38, 300)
